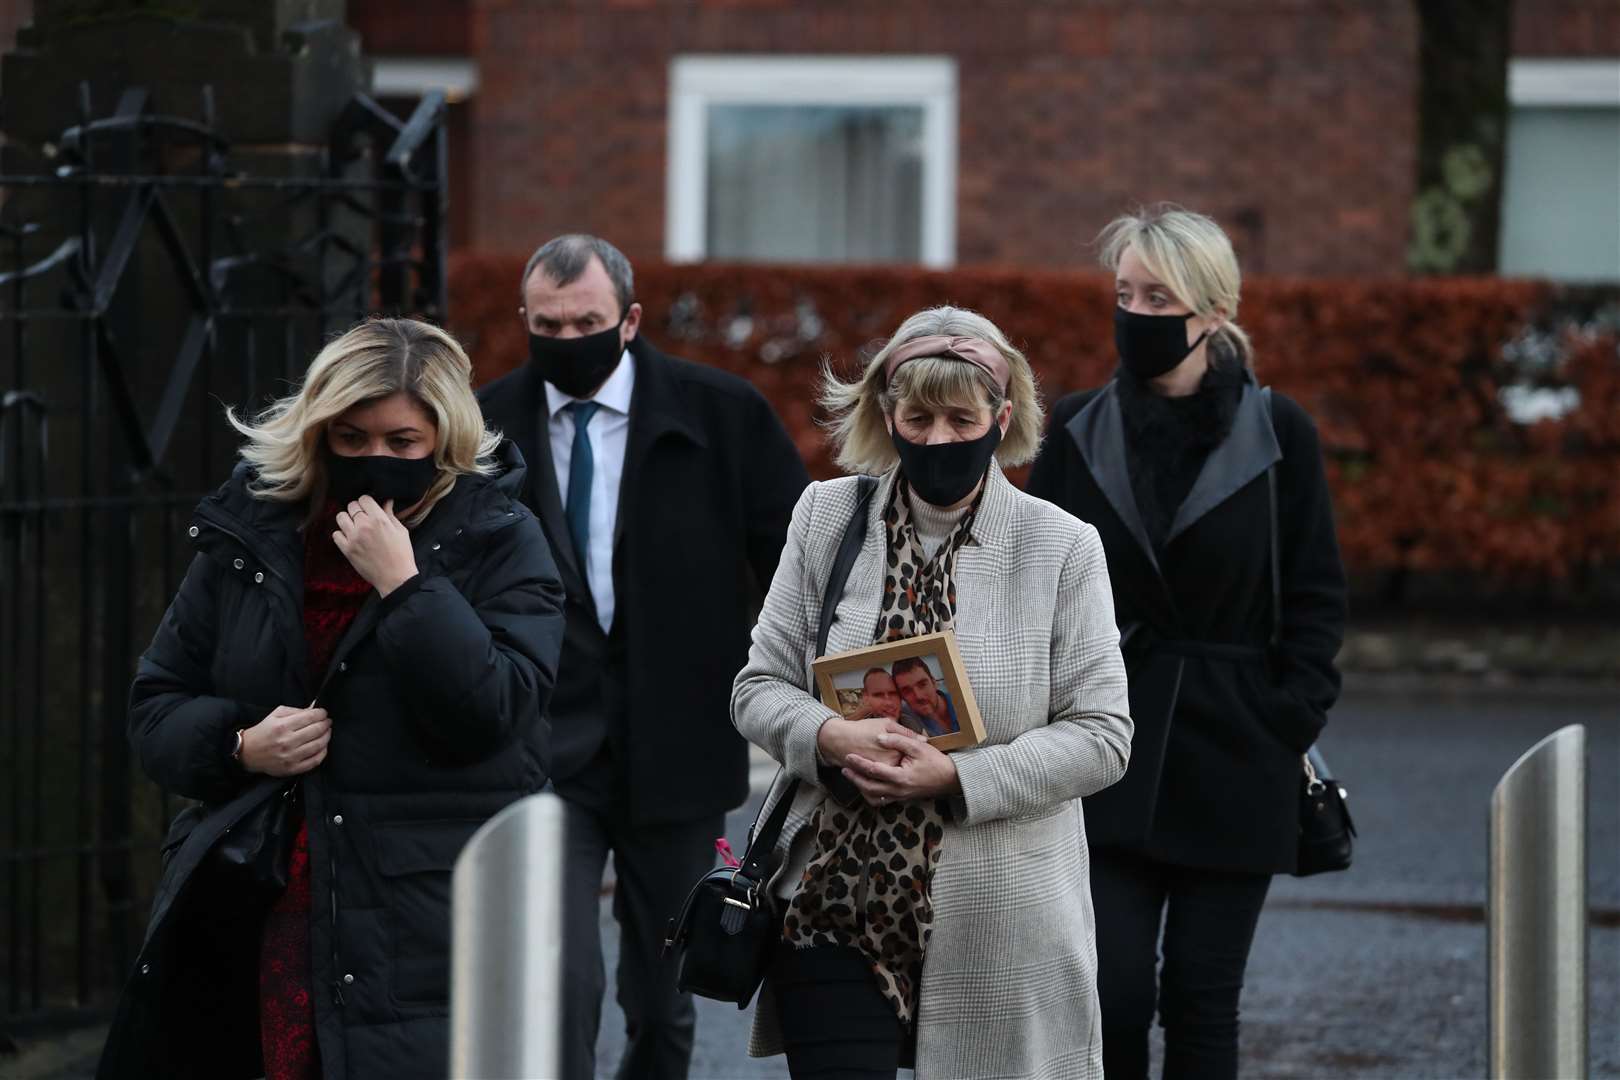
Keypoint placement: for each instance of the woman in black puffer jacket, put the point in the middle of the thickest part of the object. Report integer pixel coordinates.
(370, 631)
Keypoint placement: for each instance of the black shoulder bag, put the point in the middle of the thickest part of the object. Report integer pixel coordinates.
(726, 930)
(1325, 829)
(256, 852)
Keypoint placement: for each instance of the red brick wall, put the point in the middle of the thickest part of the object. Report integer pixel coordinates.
(1551, 28)
(13, 14)
(413, 27)
(1292, 121)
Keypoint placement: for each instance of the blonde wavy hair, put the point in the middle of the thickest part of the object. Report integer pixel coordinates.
(859, 409)
(286, 442)
(1193, 257)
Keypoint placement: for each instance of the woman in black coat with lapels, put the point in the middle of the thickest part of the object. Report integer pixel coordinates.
(1170, 462)
(365, 644)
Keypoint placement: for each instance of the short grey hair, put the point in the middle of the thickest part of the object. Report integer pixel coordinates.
(566, 257)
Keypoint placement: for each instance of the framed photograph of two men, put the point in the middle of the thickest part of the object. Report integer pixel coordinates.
(919, 683)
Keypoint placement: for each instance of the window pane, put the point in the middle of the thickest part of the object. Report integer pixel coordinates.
(1558, 201)
(815, 183)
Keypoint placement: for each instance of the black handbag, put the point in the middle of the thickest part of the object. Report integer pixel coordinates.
(257, 850)
(1325, 829)
(726, 929)
(729, 924)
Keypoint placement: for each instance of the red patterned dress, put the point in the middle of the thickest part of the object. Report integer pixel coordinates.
(333, 595)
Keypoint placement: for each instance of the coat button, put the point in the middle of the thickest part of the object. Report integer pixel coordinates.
(348, 978)
(146, 969)
(343, 665)
(237, 563)
(435, 547)
(258, 578)
(192, 531)
(337, 819)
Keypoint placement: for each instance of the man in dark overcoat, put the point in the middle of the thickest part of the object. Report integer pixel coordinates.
(665, 488)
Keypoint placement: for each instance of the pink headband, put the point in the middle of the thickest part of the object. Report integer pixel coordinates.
(976, 351)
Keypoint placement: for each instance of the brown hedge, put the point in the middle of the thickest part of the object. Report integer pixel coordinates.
(1429, 472)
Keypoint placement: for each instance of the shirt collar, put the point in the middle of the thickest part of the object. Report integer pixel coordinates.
(615, 393)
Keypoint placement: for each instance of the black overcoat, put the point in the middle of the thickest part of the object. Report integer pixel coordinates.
(709, 484)
(436, 695)
(1215, 762)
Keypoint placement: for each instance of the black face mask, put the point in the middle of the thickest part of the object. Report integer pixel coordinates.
(405, 480)
(577, 366)
(942, 474)
(1150, 345)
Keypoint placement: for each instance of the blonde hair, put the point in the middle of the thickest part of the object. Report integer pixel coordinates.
(860, 408)
(1194, 259)
(286, 442)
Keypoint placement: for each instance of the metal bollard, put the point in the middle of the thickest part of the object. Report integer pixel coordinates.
(1537, 913)
(506, 945)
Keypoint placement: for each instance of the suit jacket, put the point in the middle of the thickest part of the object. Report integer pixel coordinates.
(1009, 980)
(1215, 769)
(710, 478)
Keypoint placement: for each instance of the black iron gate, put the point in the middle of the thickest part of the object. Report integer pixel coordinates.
(150, 273)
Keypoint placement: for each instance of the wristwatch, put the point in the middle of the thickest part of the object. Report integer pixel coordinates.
(236, 753)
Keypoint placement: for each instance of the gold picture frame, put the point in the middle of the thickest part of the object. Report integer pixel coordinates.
(948, 714)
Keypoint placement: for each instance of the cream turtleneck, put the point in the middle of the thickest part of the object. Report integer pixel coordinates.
(934, 525)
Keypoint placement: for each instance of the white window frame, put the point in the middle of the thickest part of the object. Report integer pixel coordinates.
(413, 76)
(1556, 83)
(698, 81)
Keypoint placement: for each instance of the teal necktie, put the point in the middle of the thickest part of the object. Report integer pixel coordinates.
(581, 470)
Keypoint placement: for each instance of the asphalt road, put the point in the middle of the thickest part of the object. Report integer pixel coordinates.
(1378, 971)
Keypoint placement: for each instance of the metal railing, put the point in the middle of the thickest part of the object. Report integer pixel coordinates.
(150, 273)
(506, 946)
(1537, 913)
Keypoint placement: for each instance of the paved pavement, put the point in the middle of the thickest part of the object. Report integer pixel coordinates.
(1378, 972)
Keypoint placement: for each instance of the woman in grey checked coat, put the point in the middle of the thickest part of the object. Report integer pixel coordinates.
(937, 907)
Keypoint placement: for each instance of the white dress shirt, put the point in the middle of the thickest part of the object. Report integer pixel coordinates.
(609, 432)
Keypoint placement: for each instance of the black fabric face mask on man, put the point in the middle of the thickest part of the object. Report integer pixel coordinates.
(942, 474)
(577, 366)
(1150, 345)
(383, 477)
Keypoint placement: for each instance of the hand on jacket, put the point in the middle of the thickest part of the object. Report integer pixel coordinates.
(924, 772)
(288, 742)
(841, 736)
(376, 544)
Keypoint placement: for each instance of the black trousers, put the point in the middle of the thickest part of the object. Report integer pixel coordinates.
(835, 1022)
(655, 867)
(1208, 918)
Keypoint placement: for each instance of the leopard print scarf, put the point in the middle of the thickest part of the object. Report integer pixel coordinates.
(867, 883)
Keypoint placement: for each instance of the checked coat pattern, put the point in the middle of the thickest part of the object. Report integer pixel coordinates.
(1009, 982)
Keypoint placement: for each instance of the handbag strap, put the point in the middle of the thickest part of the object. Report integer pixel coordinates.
(1272, 646)
(763, 841)
(848, 548)
(1276, 565)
